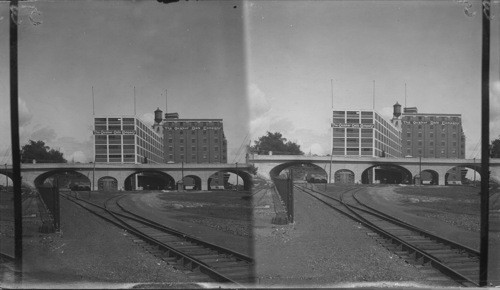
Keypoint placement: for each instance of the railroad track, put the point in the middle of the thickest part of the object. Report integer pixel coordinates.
(413, 244)
(201, 259)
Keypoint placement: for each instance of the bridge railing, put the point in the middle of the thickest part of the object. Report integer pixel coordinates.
(284, 187)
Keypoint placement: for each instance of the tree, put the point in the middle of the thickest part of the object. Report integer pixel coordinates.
(495, 148)
(275, 143)
(38, 151)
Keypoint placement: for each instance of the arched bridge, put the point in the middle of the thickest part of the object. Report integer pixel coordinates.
(35, 174)
(272, 165)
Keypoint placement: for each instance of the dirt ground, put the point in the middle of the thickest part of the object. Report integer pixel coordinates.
(325, 249)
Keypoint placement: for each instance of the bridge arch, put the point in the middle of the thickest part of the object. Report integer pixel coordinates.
(386, 173)
(429, 177)
(5, 180)
(462, 174)
(192, 182)
(107, 183)
(219, 179)
(277, 170)
(149, 180)
(344, 176)
(62, 178)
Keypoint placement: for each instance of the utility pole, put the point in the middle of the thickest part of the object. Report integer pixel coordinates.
(420, 170)
(14, 129)
(331, 125)
(485, 142)
(6, 178)
(474, 172)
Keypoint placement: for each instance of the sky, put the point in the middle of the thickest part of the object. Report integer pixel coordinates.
(259, 65)
(303, 54)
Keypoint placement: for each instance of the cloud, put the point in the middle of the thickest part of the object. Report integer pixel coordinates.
(259, 103)
(386, 112)
(148, 118)
(314, 149)
(495, 110)
(81, 151)
(77, 156)
(45, 134)
(313, 142)
(25, 115)
(260, 112)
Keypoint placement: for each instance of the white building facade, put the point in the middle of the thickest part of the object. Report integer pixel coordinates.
(364, 133)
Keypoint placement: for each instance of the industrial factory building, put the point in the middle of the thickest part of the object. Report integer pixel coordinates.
(191, 140)
(364, 133)
(126, 139)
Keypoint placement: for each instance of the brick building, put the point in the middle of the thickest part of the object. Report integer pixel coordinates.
(191, 140)
(431, 135)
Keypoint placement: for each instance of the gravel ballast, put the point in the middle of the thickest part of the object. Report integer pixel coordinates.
(89, 252)
(324, 248)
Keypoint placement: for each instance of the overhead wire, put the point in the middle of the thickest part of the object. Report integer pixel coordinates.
(240, 149)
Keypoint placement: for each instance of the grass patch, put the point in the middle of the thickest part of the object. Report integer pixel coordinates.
(216, 204)
(456, 205)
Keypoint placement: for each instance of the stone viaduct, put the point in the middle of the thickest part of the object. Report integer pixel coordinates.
(272, 165)
(35, 174)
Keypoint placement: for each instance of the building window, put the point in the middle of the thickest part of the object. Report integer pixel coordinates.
(408, 143)
(431, 143)
(408, 134)
(181, 132)
(181, 140)
(193, 148)
(443, 135)
(419, 142)
(443, 143)
(193, 157)
(204, 148)
(205, 141)
(181, 148)
(454, 144)
(170, 140)
(431, 135)
(431, 127)
(420, 127)
(420, 134)
(170, 148)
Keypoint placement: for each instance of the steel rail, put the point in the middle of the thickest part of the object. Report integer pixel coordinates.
(192, 239)
(415, 228)
(185, 259)
(418, 253)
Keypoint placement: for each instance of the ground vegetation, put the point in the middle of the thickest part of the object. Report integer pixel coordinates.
(37, 151)
(275, 143)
